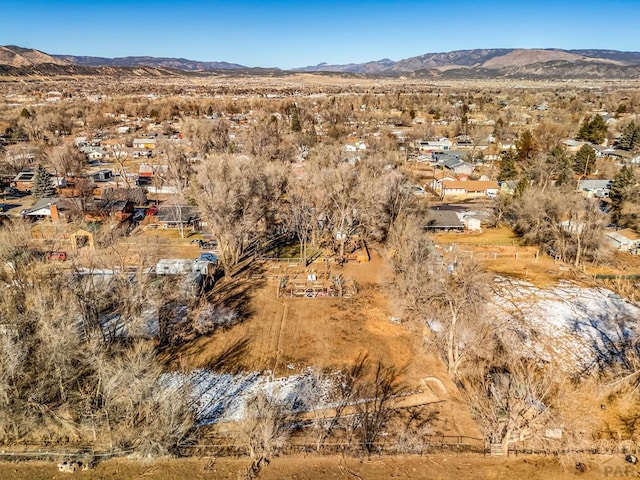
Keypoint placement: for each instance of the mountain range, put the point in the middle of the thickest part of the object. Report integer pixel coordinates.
(476, 63)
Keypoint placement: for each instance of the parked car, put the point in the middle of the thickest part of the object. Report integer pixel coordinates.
(207, 244)
(153, 210)
(61, 256)
(417, 190)
(138, 215)
(208, 256)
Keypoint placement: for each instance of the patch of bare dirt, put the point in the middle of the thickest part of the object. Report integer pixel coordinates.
(434, 467)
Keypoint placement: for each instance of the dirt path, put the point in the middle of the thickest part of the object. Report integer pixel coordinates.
(433, 467)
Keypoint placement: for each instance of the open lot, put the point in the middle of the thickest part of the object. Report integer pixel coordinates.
(288, 335)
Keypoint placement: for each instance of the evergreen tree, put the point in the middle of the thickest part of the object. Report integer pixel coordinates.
(593, 130)
(584, 161)
(624, 194)
(43, 185)
(526, 146)
(560, 162)
(295, 121)
(565, 174)
(521, 187)
(630, 137)
(508, 168)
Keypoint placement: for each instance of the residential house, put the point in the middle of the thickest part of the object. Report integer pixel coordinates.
(443, 220)
(117, 209)
(439, 177)
(144, 143)
(595, 188)
(93, 153)
(23, 181)
(149, 170)
(104, 175)
(625, 240)
(470, 188)
(53, 208)
(178, 216)
(440, 145)
(96, 154)
(457, 166)
(508, 187)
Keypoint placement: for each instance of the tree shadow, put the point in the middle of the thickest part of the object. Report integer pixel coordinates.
(230, 359)
(612, 342)
(235, 292)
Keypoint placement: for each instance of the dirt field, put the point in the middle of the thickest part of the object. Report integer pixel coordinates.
(433, 467)
(288, 335)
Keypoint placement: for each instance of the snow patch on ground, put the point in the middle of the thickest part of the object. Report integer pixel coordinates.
(581, 328)
(223, 397)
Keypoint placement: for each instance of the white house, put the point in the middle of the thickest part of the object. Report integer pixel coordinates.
(625, 240)
(440, 145)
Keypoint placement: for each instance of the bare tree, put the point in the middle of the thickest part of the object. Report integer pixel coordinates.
(564, 224)
(513, 402)
(238, 196)
(265, 430)
(177, 175)
(454, 310)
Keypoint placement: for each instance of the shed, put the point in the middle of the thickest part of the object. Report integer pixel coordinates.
(625, 240)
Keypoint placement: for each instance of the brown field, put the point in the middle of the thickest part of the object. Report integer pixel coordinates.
(501, 252)
(288, 335)
(433, 467)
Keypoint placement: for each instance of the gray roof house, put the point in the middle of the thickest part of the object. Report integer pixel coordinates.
(443, 220)
(595, 188)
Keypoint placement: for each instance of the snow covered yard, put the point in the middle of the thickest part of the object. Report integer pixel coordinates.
(580, 328)
(223, 397)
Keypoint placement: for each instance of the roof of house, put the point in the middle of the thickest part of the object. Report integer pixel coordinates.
(144, 140)
(40, 208)
(629, 234)
(24, 176)
(39, 205)
(570, 142)
(441, 175)
(511, 184)
(443, 219)
(594, 184)
(113, 205)
(173, 214)
(469, 185)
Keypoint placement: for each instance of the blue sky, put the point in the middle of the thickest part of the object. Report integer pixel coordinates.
(293, 33)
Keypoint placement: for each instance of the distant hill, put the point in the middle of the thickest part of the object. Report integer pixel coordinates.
(160, 62)
(459, 64)
(501, 62)
(18, 57)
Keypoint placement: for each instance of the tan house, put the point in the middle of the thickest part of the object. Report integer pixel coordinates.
(144, 143)
(470, 188)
